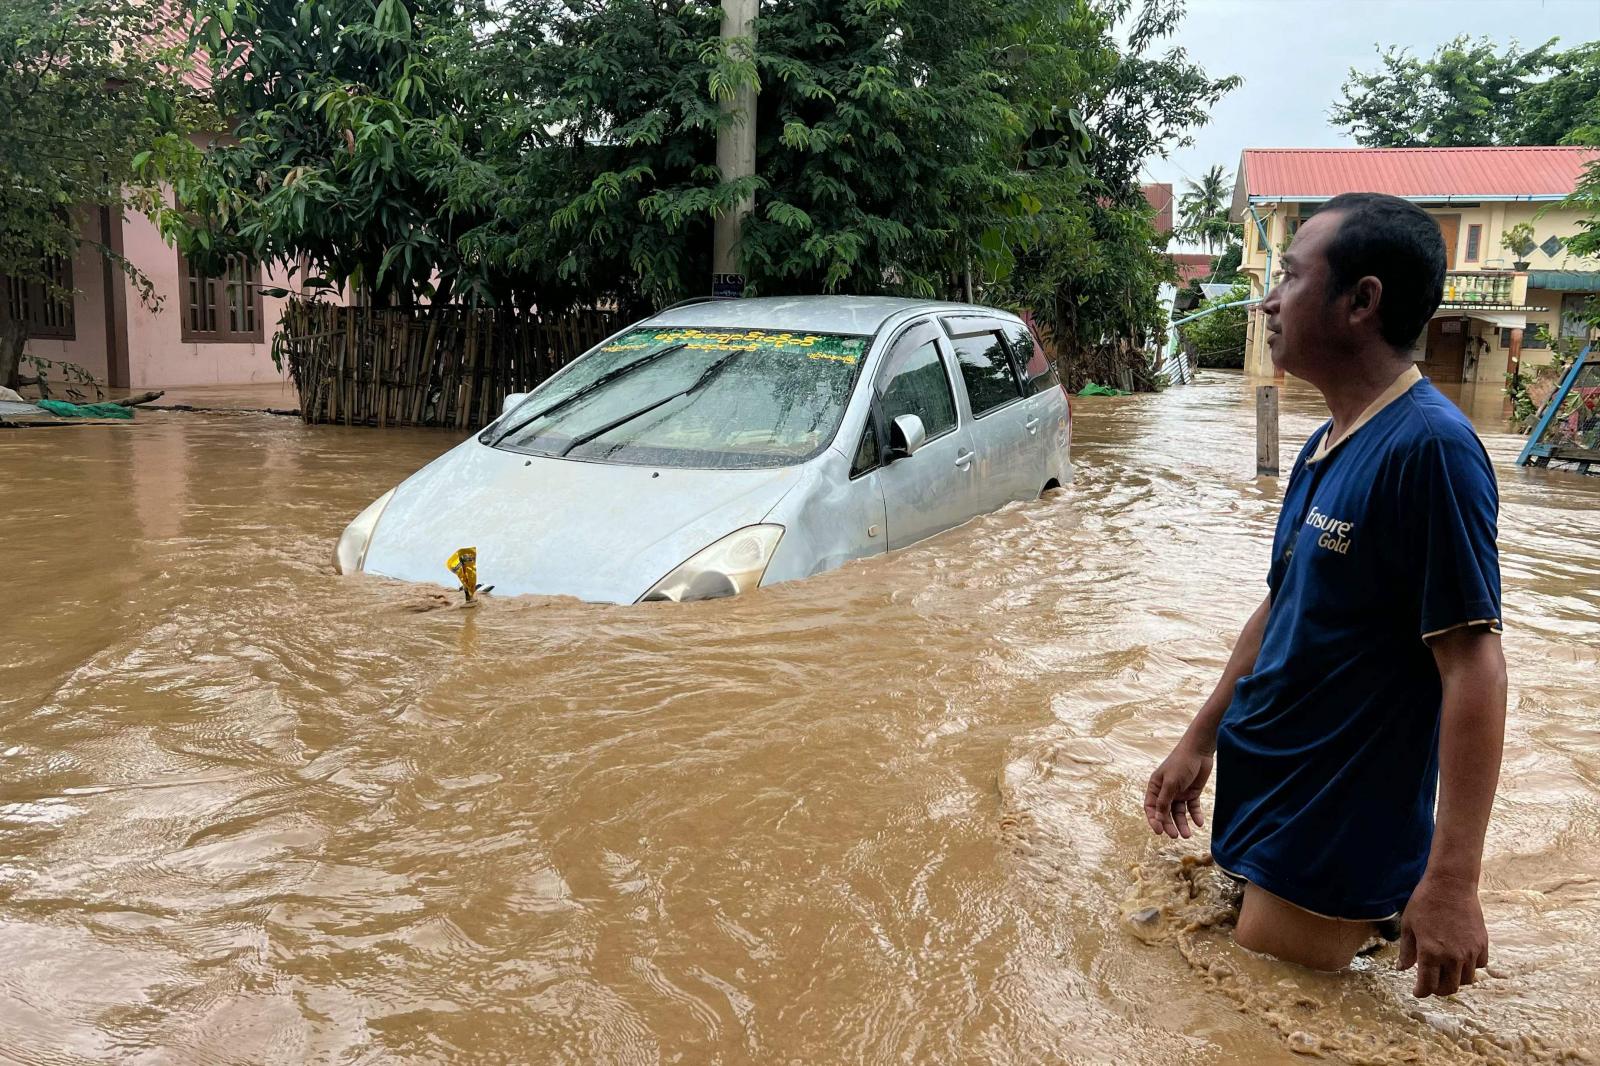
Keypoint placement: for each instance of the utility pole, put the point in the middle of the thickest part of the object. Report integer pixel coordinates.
(1266, 431)
(736, 152)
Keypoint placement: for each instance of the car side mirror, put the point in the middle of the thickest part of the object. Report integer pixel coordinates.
(906, 435)
(511, 400)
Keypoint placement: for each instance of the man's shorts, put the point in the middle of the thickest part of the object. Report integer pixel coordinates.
(1387, 928)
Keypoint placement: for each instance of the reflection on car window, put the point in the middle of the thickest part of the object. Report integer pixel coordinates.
(914, 383)
(986, 369)
(867, 453)
(702, 398)
(1037, 369)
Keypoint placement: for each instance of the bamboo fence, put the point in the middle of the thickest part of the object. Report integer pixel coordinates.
(430, 366)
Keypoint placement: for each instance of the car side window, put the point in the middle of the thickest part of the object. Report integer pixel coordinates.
(914, 382)
(1038, 372)
(986, 368)
(866, 452)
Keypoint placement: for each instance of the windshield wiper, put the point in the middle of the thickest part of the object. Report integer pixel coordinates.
(705, 378)
(604, 379)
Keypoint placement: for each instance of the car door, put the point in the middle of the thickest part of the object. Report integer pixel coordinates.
(1004, 426)
(1049, 420)
(932, 489)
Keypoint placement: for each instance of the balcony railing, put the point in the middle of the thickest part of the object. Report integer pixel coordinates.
(1485, 288)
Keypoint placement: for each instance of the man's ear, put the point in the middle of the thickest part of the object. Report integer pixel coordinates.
(1364, 298)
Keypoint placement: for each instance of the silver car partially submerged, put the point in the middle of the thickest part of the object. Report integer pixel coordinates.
(723, 445)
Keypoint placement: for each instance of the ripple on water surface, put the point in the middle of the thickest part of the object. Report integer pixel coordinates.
(254, 812)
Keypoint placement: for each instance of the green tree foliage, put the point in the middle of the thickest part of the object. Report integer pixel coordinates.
(1225, 267)
(1586, 242)
(540, 152)
(82, 91)
(1586, 198)
(1145, 96)
(1203, 208)
(1564, 108)
(1470, 93)
(351, 123)
(1217, 340)
(545, 152)
(1092, 273)
(899, 144)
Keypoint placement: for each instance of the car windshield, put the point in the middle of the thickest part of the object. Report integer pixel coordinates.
(704, 398)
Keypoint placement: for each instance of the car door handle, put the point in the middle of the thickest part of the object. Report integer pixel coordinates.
(964, 460)
(1032, 424)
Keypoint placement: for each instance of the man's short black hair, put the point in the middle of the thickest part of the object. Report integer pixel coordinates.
(1396, 242)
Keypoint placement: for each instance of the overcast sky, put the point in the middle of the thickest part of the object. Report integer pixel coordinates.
(1294, 55)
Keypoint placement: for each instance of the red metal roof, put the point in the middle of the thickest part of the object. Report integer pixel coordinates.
(1191, 265)
(174, 33)
(1421, 173)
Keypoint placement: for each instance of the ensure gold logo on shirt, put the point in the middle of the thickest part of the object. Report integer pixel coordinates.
(1335, 532)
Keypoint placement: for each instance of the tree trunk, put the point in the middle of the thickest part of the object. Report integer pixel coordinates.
(13, 335)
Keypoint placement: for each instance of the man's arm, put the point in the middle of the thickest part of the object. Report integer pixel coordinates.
(1172, 797)
(1442, 929)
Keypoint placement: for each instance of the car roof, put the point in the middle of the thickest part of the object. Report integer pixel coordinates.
(858, 315)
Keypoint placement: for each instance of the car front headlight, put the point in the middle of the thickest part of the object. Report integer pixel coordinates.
(732, 565)
(351, 554)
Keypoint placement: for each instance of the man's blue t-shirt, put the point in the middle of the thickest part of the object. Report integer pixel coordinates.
(1328, 756)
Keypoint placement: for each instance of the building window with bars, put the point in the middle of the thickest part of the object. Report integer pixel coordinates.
(225, 308)
(37, 304)
(1474, 243)
(1532, 340)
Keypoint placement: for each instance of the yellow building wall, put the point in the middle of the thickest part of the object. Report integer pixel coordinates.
(1493, 366)
(1274, 220)
(1495, 218)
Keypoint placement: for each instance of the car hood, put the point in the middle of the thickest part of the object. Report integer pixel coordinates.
(563, 527)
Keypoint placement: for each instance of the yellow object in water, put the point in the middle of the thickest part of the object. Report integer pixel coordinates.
(464, 564)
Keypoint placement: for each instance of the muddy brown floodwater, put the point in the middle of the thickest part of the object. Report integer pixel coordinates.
(251, 812)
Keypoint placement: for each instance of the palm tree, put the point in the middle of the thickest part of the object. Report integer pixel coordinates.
(1204, 208)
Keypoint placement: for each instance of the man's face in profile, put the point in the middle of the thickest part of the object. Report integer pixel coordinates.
(1302, 328)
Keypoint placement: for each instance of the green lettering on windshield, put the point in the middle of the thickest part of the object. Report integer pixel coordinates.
(830, 347)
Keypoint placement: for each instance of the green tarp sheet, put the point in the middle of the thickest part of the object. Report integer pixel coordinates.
(85, 410)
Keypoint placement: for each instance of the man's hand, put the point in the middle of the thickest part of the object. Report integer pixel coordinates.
(1442, 932)
(1442, 929)
(1173, 796)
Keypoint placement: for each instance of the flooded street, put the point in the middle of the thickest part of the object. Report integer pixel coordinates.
(254, 812)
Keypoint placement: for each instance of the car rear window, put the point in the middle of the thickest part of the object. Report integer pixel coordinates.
(1038, 372)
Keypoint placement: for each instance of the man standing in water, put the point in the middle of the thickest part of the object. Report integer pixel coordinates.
(1370, 680)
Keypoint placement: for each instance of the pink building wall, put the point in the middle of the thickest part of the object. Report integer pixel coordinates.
(88, 346)
(158, 356)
